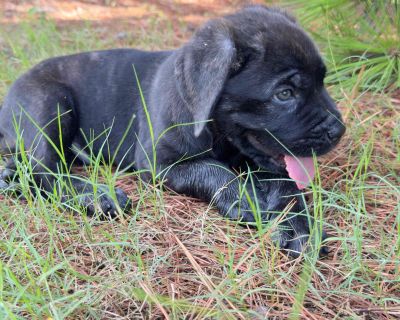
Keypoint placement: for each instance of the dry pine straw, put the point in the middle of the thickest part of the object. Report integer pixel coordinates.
(185, 249)
(195, 243)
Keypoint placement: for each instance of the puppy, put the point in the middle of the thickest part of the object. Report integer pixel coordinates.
(246, 93)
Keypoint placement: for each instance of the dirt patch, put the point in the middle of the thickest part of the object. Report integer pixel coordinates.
(117, 19)
(188, 11)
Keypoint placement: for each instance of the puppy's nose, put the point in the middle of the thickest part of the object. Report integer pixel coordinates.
(336, 131)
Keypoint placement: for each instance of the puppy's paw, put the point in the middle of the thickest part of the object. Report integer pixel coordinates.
(245, 213)
(108, 207)
(6, 177)
(103, 203)
(248, 208)
(296, 244)
(7, 174)
(294, 238)
(9, 187)
(3, 185)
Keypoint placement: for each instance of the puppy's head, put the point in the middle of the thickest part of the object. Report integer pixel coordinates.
(259, 77)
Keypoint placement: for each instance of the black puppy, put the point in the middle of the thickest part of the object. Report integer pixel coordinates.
(246, 92)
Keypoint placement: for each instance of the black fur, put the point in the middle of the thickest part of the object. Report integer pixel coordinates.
(226, 80)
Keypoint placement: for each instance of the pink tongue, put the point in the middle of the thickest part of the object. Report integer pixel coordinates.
(300, 170)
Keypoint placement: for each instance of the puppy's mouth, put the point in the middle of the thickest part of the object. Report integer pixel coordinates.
(276, 159)
(300, 169)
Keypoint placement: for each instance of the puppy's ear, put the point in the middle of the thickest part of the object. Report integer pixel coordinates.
(202, 67)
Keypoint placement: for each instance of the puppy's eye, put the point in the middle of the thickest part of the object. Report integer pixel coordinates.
(284, 94)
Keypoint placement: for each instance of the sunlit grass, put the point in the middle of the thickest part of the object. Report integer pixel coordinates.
(365, 38)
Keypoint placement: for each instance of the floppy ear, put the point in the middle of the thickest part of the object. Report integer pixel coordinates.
(202, 67)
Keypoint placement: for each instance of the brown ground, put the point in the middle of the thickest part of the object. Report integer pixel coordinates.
(107, 11)
(117, 17)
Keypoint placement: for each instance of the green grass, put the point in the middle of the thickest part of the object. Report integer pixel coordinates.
(174, 257)
(364, 36)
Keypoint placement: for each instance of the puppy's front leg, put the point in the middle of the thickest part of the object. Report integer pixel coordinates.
(93, 198)
(212, 181)
(295, 228)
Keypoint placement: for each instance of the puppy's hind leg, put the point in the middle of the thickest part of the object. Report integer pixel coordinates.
(7, 173)
(42, 126)
(37, 125)
(51, 155)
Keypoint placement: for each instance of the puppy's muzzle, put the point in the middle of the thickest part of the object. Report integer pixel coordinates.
(326, 135)
(335, 129)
